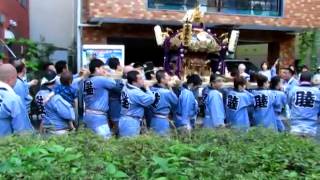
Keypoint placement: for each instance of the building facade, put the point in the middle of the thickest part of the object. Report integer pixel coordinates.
(14, 18)
(130, 22)
(53, 21)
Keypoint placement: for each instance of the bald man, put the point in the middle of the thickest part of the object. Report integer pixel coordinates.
(127, 69)
(13, 115)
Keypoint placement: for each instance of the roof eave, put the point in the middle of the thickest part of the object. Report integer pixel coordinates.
(107, 20)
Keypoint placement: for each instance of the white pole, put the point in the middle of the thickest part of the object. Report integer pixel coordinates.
(7, 47)
(79, 33)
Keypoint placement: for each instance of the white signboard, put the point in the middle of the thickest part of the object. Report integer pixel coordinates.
(103, 52)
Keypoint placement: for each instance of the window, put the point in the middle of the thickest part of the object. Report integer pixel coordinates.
(253, 7)
(271, 8)
(24, 3)
(172, 5)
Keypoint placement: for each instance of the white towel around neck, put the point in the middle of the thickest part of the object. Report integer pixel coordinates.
(7, 87)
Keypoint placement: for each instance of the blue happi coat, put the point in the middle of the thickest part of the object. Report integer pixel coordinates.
(214, 108)
(187, 108)
(58, 113)
(237, 105)
(13, 115)
(281, 104)
(288, 86)
(115, 101)
(264, 113)
(68, 93)
(304, 102)
(165, 101)
(40, 97)
(96, 98)
(22, 89)
(133, 102)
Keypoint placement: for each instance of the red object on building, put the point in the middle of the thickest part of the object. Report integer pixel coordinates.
(16, 11)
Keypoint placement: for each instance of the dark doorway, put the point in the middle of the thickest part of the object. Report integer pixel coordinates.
(139, 49)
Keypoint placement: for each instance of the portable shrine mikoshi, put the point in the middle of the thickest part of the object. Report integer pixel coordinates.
(188, 50)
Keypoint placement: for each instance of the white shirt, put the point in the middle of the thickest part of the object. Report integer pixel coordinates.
(245, 75)
(266, 73)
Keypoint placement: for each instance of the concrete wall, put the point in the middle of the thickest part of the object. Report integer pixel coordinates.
(53, 20)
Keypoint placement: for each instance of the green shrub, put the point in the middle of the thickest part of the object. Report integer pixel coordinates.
(218, 154)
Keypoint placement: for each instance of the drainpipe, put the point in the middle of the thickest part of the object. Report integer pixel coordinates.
(79, 34)
(80, 27)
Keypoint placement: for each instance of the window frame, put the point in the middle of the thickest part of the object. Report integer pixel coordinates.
(220, 12)
(24, 3)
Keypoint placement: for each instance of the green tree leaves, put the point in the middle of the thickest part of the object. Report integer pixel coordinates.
(34, 53)
(215, 154)
(309, 44)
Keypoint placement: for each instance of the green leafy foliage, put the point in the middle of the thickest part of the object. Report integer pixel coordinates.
(34, 53)
(30, 52)
(305, 42)
(215, 154)
(309, 43)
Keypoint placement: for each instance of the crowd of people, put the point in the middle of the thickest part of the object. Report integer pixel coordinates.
(115, 100)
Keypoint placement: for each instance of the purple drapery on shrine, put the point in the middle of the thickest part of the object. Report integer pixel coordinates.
(222, 65)
(167, 57)
(179, 61)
